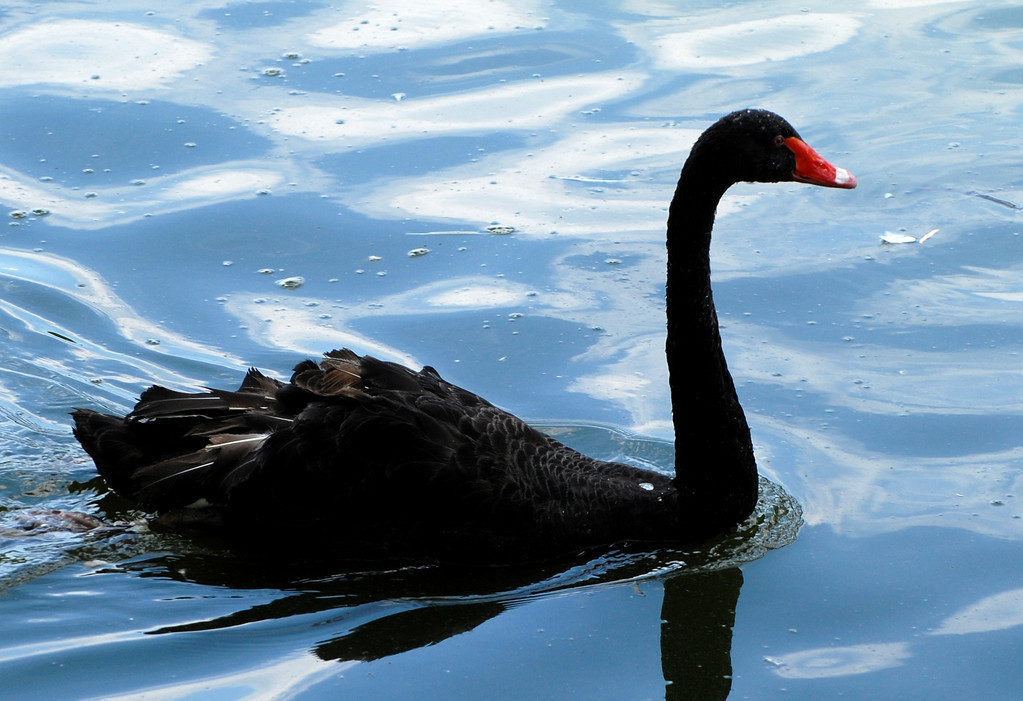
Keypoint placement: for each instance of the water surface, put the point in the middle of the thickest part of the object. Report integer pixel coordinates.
(165, 169)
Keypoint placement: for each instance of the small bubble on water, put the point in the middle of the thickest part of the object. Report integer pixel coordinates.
(40, 212)
(646, 486)
(416, 252)
(398, 96)
(138, 181)
(291, 55)
(90, 195)
(273, 72)
(262, 192)
(373, 259)
(19, 214)
(227, 263)
(515, 315)
(190, 144)
(152, 341)
(291, 283)
(266, 271)
(500, 229)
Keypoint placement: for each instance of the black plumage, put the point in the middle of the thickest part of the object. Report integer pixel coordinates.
(358, 457)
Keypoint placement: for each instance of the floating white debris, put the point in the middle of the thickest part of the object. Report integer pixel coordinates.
(374, 259)
(891, 237)
(291, 283)
(646, 486)
(416, 252)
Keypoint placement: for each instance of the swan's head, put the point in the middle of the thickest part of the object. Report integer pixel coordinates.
(759, 146)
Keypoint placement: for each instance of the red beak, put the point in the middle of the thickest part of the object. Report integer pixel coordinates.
(811, 168)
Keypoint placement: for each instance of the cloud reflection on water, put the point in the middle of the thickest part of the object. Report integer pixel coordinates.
(96, 56)
(393, 24)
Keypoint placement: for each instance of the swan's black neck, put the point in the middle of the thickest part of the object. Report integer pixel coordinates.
(716, 473)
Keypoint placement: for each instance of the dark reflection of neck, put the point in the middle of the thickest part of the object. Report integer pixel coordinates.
(431, 605)
(697, 617)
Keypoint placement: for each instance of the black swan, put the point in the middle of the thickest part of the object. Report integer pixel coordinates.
(362, 458)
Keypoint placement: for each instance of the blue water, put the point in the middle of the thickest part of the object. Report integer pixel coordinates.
(164, 169)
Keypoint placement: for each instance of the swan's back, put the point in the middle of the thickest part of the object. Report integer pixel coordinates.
(369, 459)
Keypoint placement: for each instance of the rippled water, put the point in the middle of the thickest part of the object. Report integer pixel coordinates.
(483, 187)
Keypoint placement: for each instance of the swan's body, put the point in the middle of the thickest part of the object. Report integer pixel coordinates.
(365, 458)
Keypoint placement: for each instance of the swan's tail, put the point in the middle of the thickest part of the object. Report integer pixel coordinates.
(176, 449)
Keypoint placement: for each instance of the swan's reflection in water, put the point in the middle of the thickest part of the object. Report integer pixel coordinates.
(371, 614)
(697, 617)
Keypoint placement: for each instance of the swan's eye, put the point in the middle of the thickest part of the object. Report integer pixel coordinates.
(779, 140)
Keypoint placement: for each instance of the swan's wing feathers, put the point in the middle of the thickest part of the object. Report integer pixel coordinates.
(258, 383)
(203, 477)
(115, 450)
(176, 448)
(360, 454)
(159, 401)
(342, 374)
(256, 393)
(170, 463)
(333, 376)
(382, 376)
